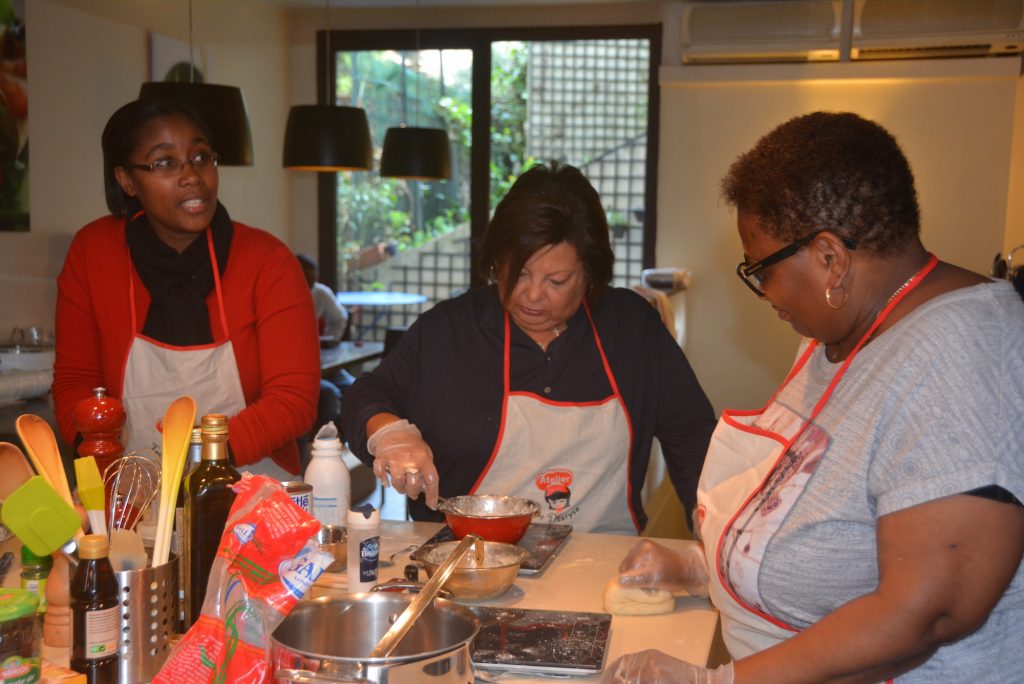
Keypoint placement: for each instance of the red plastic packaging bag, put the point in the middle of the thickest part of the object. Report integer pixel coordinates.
(267, 561)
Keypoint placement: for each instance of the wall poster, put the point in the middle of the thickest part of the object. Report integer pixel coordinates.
(14, 192)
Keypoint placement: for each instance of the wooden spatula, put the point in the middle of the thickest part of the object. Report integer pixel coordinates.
(41, 445)
(15, 468)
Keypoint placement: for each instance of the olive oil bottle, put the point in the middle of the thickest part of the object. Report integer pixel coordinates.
(208, 499)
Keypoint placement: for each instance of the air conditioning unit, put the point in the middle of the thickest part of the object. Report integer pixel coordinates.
(899, 29)
(761, 31)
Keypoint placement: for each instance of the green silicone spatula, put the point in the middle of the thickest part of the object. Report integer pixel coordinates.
(40, 517)
(90, 491)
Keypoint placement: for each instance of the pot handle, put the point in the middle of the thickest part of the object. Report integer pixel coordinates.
(309, 677)
(408, 587)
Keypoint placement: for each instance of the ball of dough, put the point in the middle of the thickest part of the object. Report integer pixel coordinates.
(620, 600)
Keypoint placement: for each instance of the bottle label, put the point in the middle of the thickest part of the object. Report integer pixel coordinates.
(369, 554)
(37, 587)
(102, 632)
(325, 509)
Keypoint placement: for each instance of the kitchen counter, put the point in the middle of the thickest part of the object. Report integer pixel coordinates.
(573, 580)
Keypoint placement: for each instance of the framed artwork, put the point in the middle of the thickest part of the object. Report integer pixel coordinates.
(14, 191)
(169, 60)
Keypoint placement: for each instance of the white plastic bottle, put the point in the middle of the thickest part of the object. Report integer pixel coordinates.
(363, 523)
(328, 475)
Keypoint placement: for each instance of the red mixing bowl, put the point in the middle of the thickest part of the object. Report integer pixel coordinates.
(495, 518)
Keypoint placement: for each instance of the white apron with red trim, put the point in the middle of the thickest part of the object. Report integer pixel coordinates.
(739, 461)
(155, 374)
(571, 458)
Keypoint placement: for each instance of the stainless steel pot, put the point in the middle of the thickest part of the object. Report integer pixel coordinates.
(328, 639)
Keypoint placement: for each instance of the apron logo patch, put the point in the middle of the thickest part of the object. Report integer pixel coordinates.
(555, 486)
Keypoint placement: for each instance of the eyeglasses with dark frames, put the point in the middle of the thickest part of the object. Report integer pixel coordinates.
(752, 275)
(170, 166)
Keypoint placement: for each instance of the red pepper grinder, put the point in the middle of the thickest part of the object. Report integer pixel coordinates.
(100, 420)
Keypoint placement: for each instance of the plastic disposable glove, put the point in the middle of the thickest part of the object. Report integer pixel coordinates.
(404, 461)
(649, 565)
(654, 667)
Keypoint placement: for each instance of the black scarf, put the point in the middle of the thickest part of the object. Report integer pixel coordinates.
(178, 283)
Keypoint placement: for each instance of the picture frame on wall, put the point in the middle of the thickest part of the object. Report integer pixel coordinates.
(169, 60)
(14, 150)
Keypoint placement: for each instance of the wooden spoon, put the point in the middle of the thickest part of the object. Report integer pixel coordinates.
(178, 422)
(41, 445)
(15, 468)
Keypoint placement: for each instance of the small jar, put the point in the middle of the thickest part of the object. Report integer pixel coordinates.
(19, 637)
(34, 571)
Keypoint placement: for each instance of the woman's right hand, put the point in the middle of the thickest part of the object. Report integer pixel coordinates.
(649, 565)
(404, 461)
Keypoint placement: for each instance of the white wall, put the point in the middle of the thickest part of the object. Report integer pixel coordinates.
(953, 118)
(87, 58)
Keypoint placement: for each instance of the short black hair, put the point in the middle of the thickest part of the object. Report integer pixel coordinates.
(121, 136)
(547, 205)
(828, 170)
(307, 261)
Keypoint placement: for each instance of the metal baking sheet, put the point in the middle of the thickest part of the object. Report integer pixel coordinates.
(542, 541)
(540, 641)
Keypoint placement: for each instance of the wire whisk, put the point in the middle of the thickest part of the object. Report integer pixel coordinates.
(131, 482)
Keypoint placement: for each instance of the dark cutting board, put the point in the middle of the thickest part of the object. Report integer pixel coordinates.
(542, 541)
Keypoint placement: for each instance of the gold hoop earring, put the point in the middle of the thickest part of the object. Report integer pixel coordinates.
(828, 297)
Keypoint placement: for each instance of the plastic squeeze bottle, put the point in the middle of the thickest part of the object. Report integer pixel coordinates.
(96, 618)
(328, 475)
(363, 524)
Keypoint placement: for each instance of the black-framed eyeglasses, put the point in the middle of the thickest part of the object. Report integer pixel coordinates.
(170, 166)
(752, 274)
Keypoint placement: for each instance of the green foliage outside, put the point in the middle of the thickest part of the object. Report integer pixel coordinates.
(373, 209)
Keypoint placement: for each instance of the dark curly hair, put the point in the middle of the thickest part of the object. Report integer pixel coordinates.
(548, 205)
(833, 171)
(121, 136)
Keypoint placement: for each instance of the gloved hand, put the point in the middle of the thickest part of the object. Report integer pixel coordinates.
(649, 565)
(654, 667)
(404, 461)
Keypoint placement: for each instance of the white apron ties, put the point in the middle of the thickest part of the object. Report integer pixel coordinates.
(155, 374)
(560, 454)
(739, 461)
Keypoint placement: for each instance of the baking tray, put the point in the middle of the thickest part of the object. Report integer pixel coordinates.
(542, 541)
(540, 641)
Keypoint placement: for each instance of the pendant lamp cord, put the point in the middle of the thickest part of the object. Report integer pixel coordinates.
(328, 98)
(191, 50)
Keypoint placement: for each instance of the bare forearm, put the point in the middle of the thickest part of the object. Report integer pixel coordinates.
(866, 640)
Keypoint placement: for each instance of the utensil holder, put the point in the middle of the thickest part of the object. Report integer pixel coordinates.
(147, 619)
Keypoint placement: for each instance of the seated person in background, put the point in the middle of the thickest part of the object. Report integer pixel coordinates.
(331, 316)
(866, 524)
(546, 384)
(168, 296)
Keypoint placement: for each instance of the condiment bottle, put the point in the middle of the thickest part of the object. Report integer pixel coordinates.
(95, 614)
(208, 499)
(34, 571)
(328, 475)
(363, 523)
(195, 456)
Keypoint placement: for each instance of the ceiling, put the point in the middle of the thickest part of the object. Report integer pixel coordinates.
(378, 4)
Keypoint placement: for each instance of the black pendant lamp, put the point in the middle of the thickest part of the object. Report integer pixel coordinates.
(327, 137)
(221, 108)
(416, 153)
(412, 152)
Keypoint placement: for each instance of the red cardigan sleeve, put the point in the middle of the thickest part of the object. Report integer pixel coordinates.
(92, 324)
(274, 334)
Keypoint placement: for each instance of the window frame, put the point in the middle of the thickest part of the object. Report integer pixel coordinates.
(479, 40)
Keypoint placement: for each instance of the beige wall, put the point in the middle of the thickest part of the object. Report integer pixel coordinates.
(87, 58)
(954, 119)
(962, 122)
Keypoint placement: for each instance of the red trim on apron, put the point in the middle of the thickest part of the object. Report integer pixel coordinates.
(787, 443)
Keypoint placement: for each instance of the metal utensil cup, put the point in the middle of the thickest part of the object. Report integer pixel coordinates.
(147, 598)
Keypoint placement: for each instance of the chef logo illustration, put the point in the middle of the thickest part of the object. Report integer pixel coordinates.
(555, 485)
